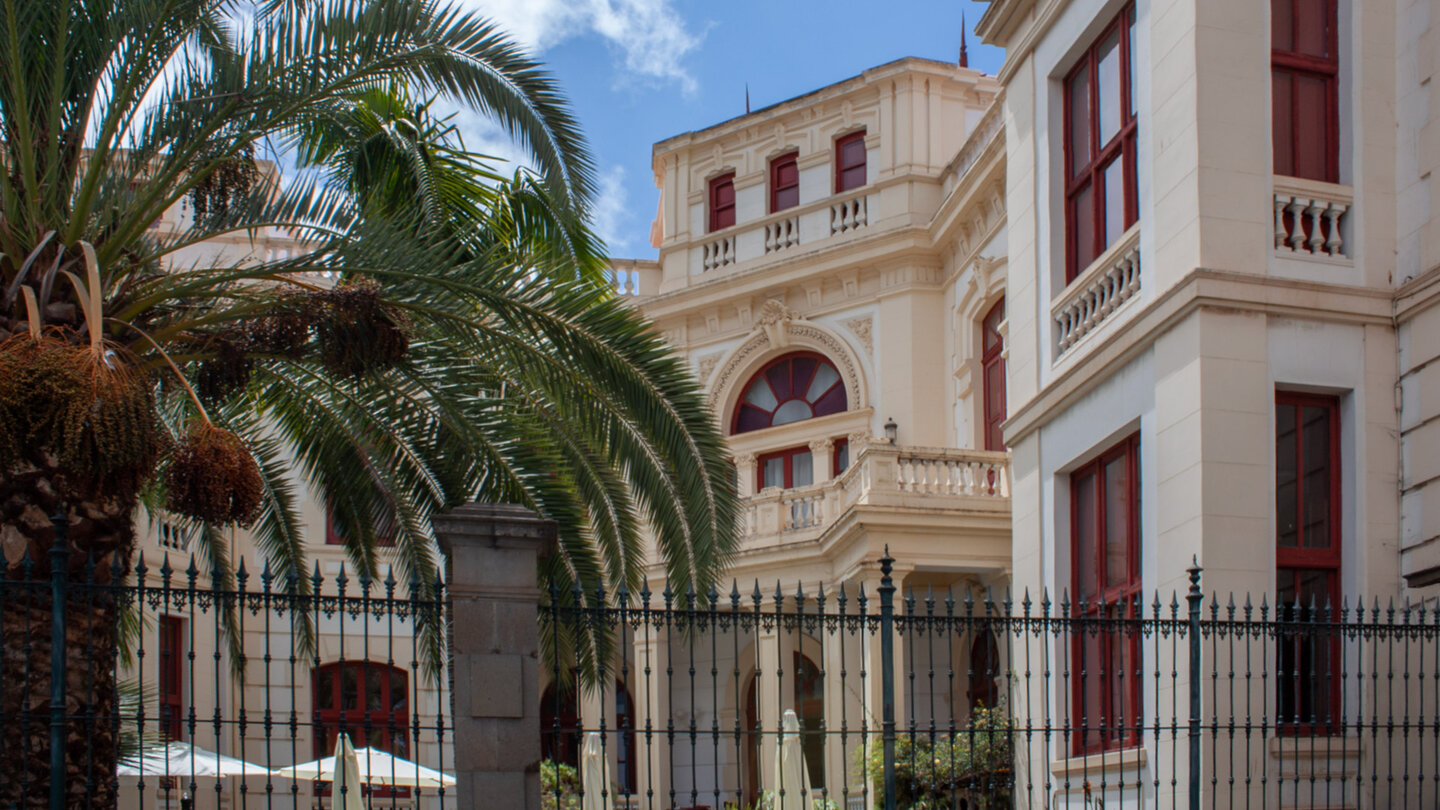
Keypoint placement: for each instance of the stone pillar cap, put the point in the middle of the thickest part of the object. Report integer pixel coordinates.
(494, 525)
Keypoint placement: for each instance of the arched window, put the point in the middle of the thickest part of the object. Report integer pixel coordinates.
(984, 671)
(791, 388)
(625, 757)
(559, 726)
(367, 700)
(993, 362)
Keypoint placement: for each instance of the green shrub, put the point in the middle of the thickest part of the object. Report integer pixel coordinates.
(559, 786)
(976, 763)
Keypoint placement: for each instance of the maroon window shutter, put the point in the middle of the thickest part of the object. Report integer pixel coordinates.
(993, 363)
(1105, 581)
(1307, 560)
(722, 202)
(784, 183)
(1101, 198)
(1305, 88)
(850, 162)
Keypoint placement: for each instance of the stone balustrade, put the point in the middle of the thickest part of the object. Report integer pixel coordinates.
(1097, 293)
(849, 215)
(766, 238)
(781, 234)
(717, 253)
(1311, 218)
(881, 474)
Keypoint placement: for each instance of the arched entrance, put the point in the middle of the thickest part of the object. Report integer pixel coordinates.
(808, 702)
(559, 720)
(984, 671)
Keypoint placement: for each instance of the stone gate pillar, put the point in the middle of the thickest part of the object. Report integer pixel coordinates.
(494, 551)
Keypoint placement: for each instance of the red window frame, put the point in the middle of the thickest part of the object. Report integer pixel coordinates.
(334, 538)
(788, 455)
(367, 727)
(1308, 660)
(850, 162)
(992, 364)
(171, 632)
(1106, 613)
(1302, 149)
(1085, 164)
(840, 448)
(784, 182)
(722, 202)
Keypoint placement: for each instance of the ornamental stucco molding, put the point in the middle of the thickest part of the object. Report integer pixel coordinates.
(863, 329)
(705, 366)
(778, 328)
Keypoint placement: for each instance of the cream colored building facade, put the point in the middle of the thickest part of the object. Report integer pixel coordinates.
(888, 280)
(1222, 293)
(1230, 297)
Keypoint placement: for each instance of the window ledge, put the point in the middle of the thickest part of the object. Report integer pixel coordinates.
(1125, 759)
(1310, 747)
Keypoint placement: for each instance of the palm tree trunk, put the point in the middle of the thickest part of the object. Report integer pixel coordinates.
(99, 533)
(91, 708)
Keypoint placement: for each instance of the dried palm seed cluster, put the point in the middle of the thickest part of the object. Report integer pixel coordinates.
(212, 477)
(226, 371)
(92, 414)
(358, 332)
(225, 186)
(283, 331)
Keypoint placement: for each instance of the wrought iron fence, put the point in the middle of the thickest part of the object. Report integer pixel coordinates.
(123, 682)
(941, 699)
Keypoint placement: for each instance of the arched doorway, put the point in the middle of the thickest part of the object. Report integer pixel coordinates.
(626, 766)
(559, 721)
(984, 687)
(808, 702)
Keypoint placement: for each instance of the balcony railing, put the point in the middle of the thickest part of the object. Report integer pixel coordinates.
(1311, 218)
(1095, 294)
(880, 475)
(809, 224)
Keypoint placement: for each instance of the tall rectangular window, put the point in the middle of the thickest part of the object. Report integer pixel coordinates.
(171, 633)
(850, 162)
(1100, 188)
(1304, 71)
(1106, 668)
(992, 361)
(784, 182)
(722, 202)
(1307, 559)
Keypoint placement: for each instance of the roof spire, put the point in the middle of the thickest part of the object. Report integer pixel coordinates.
(747, 98)
(964, 57)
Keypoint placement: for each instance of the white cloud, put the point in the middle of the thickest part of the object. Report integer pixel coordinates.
(610, 215)
(651, 34)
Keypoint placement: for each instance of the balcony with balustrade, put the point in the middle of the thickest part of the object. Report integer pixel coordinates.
(950, 507)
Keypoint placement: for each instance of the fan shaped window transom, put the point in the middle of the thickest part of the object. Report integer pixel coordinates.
(797, 386)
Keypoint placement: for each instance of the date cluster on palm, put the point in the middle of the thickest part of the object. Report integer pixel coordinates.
(81, 419)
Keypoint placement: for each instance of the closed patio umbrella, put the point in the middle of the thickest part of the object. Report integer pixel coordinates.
(792, 779)
(349, 789)
(595, 775)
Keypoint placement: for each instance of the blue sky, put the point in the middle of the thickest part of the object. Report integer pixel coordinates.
(640, 71)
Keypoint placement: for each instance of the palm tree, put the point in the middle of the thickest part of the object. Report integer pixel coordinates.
(466, 351)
